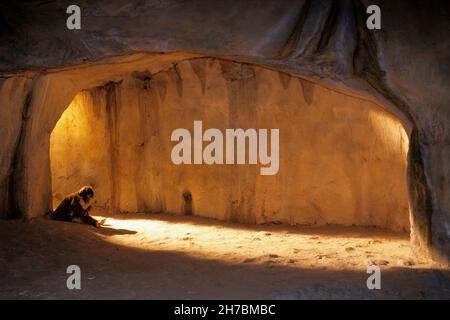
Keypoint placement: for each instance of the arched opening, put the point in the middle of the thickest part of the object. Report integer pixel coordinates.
(343, 160)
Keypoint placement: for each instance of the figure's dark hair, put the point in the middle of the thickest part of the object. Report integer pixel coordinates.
(86, 191)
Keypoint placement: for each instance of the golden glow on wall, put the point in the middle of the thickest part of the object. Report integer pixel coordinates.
(390, 132)
(79, 150)
(342, 159)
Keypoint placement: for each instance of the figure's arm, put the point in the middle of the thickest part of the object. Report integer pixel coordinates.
(89, 220)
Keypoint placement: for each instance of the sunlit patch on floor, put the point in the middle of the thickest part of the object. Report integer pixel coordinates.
(159, 256)
(329, 247)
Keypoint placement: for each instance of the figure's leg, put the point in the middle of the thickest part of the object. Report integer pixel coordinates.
(62, 212)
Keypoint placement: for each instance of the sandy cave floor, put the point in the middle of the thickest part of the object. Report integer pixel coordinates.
(159, 256)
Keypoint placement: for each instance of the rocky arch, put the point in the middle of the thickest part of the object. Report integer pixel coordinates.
(50, 95)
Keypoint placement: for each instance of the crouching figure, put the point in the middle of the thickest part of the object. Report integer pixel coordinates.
(75, 208)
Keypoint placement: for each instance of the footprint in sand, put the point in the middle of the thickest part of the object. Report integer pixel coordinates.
(407, 262)
(380, 262)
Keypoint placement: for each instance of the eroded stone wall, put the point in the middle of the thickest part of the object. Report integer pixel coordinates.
(13, 98)
(342, 159)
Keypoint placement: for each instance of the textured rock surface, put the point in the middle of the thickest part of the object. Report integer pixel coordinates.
(342, 159)
(13, 93)
(404, 67)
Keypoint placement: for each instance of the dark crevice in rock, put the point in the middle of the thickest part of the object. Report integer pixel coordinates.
(144, 76)
(232, 71)
(13, 210)
(329, 28)
(178, 80)
(200, 67)
(285, 79)
(419, 193)
(187, 203)
(366, 66)
(112, 110)
(293, 39)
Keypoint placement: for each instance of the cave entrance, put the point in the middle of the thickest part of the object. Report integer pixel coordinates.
(343, 160)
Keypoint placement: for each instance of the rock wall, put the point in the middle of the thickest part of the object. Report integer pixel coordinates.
(14, 94)
(403, 67)
(342, 159)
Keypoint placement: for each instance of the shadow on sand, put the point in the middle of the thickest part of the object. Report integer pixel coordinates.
(34, 257)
